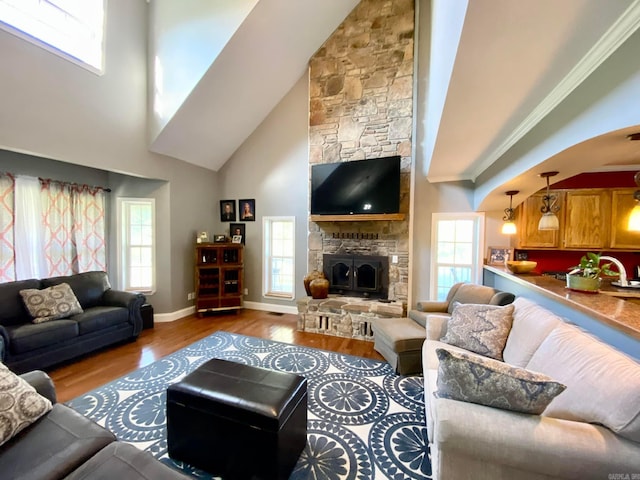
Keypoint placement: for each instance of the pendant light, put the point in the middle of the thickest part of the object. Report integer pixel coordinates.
(634, 216)
(549, 219)
(509, 225)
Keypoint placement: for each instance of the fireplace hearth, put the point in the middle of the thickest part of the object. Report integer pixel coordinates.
(357, 275)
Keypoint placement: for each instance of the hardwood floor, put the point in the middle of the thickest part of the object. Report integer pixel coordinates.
(91, 371)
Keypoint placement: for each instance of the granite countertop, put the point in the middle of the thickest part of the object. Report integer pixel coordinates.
(604, 306)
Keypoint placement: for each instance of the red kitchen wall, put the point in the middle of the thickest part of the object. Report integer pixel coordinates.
(564, 260)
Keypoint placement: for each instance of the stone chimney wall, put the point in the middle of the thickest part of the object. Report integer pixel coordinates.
(361, 106)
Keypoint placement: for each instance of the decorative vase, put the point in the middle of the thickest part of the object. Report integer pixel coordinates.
(583, 284)
(311, 277)
(319, 288)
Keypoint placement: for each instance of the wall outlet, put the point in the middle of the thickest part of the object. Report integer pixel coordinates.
(191, 296)
(394, 258)
(246, 291)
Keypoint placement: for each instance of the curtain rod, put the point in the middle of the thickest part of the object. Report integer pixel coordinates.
(108, 190)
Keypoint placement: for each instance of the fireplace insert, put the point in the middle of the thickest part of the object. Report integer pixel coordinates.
(357, 275)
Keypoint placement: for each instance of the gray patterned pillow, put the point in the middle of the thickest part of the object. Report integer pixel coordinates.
(476, 379)
(51, 303)
(480, 329)
(20, 404)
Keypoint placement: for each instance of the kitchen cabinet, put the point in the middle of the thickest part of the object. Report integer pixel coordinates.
(590, 219)
(621, 204)
(528, 214)
(586, 221)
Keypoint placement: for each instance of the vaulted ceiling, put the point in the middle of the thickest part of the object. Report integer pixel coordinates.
(496, 69)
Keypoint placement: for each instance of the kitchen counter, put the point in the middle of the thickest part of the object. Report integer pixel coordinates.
(605, 308)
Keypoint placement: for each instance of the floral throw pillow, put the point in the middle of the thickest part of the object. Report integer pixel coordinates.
(476, 379)
(480, 329)
(51, 303)
(20, 404)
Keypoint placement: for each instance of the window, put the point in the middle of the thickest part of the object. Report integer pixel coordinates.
(278, 259)
(457, 251)
(136, 247)
(73, 29)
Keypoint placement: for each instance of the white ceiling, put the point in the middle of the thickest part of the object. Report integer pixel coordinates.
(515, 61)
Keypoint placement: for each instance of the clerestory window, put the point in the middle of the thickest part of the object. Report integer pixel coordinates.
(72, 29)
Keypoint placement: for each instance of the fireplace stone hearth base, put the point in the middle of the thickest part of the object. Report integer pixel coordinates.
(348, 317)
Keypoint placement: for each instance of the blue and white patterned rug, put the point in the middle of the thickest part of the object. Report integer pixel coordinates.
(365, 422)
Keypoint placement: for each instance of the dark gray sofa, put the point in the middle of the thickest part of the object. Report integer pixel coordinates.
(63, 444)
(109, 316)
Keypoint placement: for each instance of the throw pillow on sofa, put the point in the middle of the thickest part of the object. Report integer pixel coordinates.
(476, 379)
(20, 404)
(51, 303)
(479, 328)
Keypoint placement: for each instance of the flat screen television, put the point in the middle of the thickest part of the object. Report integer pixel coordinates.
(356, 187)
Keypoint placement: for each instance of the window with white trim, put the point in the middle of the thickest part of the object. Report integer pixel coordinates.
(456, 254)
(72, 29)
(279, 257)
(137, 246)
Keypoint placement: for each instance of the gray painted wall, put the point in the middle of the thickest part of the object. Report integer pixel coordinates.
(54, 109)
(272, 166)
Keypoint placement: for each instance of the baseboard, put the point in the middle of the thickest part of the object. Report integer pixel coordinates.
(170, 317)
(271, 307)
(265, 307)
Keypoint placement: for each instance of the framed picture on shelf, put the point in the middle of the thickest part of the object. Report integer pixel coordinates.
(236, 239)
(247, 210)
(219, 238)
(499, 255)
(227, 210)
(237, 230)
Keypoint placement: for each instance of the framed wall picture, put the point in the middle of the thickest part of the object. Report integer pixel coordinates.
(499, 255)
(247, 209)
(227, 210)
(237, 230)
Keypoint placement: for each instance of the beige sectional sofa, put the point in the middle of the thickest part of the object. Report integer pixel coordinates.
(589, 431)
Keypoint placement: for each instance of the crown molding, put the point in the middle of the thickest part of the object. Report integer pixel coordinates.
(615, 36)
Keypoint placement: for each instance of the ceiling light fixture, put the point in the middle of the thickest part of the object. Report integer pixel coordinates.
(509, 225)
(634, 216)
(549, 219)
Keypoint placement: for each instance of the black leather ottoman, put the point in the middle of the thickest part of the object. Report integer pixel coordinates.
(238, 421)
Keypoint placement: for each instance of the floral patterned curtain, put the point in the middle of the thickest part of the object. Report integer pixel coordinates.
(58, 224)
(88, 209)
(73, 216)
(7, 260)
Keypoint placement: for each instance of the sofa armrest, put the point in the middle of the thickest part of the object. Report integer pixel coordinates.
(549, 446)
(432, 306)
(436, 326)
(42, 383)
(4, 343)
(131, 301)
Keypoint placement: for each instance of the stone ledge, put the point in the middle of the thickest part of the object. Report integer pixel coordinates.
(348, 317)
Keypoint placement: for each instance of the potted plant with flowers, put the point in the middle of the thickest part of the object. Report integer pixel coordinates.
(586, 276)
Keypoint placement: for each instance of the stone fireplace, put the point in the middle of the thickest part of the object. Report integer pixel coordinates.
(357, 275)
(361, 106)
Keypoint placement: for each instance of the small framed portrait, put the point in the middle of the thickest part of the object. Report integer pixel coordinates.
(236, 239)
(237, 230)
(247, 209)
(499, 255)
(219, 238)
(227, 210)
